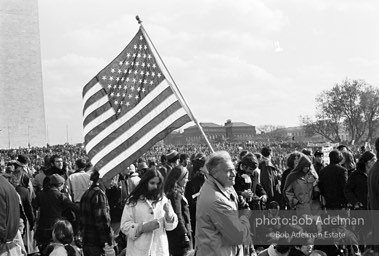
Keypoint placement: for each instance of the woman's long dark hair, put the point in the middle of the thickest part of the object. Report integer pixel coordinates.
(367, 156)
(142, 188)
(176, 175)
(297, 172)
(349, 160)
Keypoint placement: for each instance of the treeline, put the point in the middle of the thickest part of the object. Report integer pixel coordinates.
(351, 107)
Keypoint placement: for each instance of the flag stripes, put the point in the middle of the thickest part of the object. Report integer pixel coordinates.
(145, 143)
(94, 98)
(106, 127)
(127, 132)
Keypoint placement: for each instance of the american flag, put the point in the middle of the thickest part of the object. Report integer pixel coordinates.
(128, 107)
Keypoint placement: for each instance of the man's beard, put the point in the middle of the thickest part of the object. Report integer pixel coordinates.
(152, 194)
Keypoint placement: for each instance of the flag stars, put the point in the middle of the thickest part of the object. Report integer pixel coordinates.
(131, 76)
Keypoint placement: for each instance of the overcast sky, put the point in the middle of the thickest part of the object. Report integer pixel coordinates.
(253, 61)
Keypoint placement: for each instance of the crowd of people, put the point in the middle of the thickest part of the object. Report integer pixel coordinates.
(183, 200)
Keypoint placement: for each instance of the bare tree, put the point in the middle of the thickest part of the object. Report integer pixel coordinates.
(370, 109)
(352, 104)
(325, 128)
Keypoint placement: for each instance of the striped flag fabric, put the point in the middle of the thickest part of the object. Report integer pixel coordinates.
(128, 107)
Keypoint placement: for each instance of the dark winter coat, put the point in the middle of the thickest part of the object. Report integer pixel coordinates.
(180, 239)
(356, 188)
(332, 182)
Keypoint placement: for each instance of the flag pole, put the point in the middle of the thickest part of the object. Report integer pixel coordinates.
(175, 87)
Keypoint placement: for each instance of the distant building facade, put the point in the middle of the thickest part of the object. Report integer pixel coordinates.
(237, 131)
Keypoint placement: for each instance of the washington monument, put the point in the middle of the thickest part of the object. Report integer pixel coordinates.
(22, 113)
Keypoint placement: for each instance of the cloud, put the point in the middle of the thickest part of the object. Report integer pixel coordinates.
(365, 63)
(277, 47)
(336, 5)
(231, 88)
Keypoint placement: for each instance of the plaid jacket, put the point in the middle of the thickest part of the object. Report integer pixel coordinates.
(95, 217)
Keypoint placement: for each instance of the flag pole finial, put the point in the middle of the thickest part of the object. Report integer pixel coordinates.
(138, 19)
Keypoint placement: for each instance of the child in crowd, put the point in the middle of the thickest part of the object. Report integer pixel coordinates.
(63, 235)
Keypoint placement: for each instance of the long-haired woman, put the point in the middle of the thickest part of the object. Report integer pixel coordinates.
(179, 239)
(356, 188)
(146, 217)
(192, 190)
(298, 188)
(348, 162)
